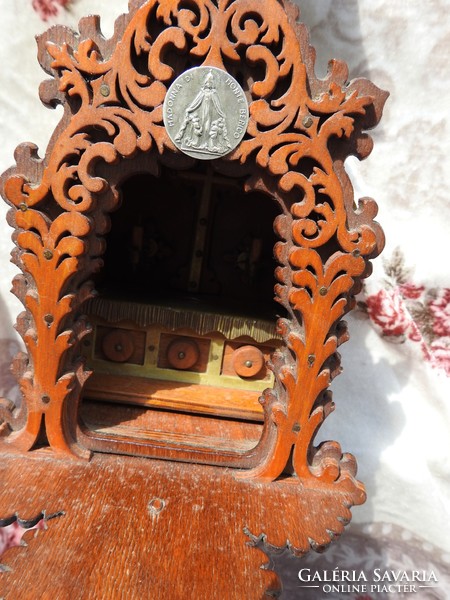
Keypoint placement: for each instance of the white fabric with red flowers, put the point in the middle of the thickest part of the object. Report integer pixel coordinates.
(393, 399)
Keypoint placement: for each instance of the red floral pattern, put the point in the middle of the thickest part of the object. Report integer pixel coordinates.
(404, 311)
(440, 309)
(387, 310)
(411, 290)
(48, 8)
(440, 354)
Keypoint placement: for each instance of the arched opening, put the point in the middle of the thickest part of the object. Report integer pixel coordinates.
(195, 236)
(185, 320)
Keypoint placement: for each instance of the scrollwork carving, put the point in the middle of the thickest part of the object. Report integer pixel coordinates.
(301, 130)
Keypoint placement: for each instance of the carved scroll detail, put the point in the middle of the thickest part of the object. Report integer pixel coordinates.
(300, 132)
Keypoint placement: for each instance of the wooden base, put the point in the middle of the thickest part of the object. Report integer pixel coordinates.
(157, 529)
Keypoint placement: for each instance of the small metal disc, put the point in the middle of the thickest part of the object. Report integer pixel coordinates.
(205, 113)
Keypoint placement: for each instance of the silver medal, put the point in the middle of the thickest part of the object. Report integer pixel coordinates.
(205, 113)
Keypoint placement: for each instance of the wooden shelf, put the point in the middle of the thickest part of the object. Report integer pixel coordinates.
(184, 397)
(162, 426)
(195, 547)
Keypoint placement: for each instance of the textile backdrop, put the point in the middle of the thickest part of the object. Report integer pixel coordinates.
(393, 398)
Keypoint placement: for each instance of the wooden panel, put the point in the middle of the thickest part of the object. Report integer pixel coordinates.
(227, 402)
(111, 544)
(100, 413)
(167, 427)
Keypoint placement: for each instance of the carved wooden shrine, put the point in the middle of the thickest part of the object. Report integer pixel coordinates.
(148, 278)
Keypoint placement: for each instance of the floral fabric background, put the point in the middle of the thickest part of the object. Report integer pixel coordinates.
(47, 9)
(403, 311)
(393, 400)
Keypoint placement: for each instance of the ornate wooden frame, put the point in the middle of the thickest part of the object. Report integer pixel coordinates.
(301, 130)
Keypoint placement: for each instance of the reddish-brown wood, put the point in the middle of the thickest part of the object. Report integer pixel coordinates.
(169, 426)
(248, 361)
(111, 542)
(183, 354)
(194, 353)
(300, 132)
(232, 351)
(227, 402)
(118, 346)
(113, 111)
(114, 540)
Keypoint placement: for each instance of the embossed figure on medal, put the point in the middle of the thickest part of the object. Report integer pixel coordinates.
(204, 107)
(208, 126)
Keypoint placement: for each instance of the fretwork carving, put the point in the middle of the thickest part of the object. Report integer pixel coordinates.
(300, 132)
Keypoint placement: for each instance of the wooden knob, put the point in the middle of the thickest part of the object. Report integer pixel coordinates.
(248, 361)
(182, 354)
(117, 345)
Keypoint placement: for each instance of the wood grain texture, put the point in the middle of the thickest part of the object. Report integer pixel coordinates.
(185, 397)
(110, 543)
(168, 529)
(301, 130)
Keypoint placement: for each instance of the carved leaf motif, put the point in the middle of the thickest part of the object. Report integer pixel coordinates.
(71, 80)
(114, 91)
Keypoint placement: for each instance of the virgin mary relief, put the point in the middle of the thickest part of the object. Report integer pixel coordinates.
(209, 122)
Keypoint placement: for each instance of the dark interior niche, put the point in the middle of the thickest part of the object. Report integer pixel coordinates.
(194, 238)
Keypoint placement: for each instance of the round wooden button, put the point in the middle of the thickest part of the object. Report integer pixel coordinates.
(182, 354)
(248, 361)
(117, 345)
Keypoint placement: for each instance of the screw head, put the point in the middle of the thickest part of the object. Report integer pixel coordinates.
(23, 207)
(104, 90)
(323, 291)
(48, 254)
(48, 319)
(248, 364)
(155, 506)
(307, 121)
(45, 399)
